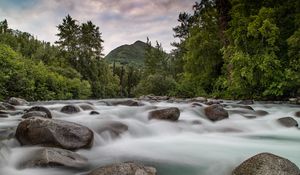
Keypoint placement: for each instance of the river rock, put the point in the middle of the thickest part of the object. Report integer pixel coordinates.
(125, 103)
(17, 101)
(2, 107)
(3, 115)
(261, 112)
(297, 114)
(153, 98)
(54, 133)
(215, 112)
(288, 122)
(124, 169)
(115, 128)
(7, 106)
(49, 157)
(213, 102)
(198, 99)
(267, 164)
(86, 107)
(7, 133)
(35, 114)
(41, 109)
(70, 109)
(94, 113)
(246, 102)
(171, 114)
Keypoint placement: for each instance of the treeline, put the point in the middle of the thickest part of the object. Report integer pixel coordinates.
(234, 49)
(71, 69)
(227, 48)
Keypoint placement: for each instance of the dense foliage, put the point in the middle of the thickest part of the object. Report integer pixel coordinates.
(240, 49)
(35, 81)
(225, 48)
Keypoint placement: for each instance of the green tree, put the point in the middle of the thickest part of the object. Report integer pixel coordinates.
(203, 59)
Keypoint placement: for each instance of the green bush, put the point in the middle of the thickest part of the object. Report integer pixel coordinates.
(33, 80)
(156, 84)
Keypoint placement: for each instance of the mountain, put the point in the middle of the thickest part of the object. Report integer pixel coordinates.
(133, 54)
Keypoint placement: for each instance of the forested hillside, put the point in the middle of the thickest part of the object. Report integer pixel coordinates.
(133, 54)
(236, 49)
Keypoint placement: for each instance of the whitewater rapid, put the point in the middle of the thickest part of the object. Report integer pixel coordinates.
(191, 146)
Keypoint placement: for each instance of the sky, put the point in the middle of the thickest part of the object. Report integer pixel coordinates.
(120, 21)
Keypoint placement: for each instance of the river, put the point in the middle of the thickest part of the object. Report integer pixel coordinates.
(191, 146)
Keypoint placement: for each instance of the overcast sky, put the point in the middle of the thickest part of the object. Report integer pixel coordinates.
(120, 21)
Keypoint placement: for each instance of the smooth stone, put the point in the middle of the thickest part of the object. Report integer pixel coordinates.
(266, 164)
(216, 112)
(213, 102)
(297, 114)
(86, 107)
(170, 114)
(54, 133)
(124, 169)
(70, 109)
(52, 157)
(125, 103)
(2, 107)
(94, 113)
(261, 113)
(246, 102)
(41, 109)
(198, 99)
(8, 106)
(35, 114)
(196, 104)
(288, 122)
(17, 101)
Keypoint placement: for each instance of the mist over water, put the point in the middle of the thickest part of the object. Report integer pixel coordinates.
(191, 146)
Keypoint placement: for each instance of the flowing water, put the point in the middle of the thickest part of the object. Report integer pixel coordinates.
(191, 146)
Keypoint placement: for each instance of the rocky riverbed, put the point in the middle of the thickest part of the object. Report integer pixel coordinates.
(149, 136)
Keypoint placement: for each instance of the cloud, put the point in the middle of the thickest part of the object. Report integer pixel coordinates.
(120, 21)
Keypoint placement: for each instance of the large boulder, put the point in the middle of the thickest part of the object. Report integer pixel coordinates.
(171, 114)
(266, 164)
(41, 109)
(124, 169)
(288, 122)
(70, 109)
(50, 157)
(17, 101)
(215, 112)
(54, 133)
